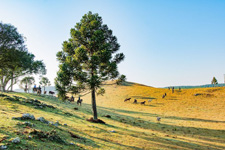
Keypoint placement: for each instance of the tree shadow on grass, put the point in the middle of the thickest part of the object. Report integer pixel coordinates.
(209, 134)
(143, 97)
(194, 119)
(63, 131)
(51, 111)
(167, 142)
(172, 99)
(117, 143)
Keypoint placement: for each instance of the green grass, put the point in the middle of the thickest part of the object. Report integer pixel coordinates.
(188, 121)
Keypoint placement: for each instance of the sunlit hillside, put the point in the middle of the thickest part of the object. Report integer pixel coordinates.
(190, 119)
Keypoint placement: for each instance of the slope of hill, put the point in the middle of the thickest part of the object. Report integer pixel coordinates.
(190, 119)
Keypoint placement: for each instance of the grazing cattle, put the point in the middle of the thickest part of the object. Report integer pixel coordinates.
(135, 101)
(51, 92)
(79, 101)
(163, 96)
(127, 99)
(143, 103)
(149, 100)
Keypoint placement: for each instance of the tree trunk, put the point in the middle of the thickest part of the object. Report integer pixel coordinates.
(3, 85)
(12, 82)
(94, 108)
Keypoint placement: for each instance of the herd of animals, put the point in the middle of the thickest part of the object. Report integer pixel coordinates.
(143, 102)
(135, 101)
(38, 90)
(79, 101)
(70, 99)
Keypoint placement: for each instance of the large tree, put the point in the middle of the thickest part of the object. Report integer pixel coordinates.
(15, 59)
(89, 57)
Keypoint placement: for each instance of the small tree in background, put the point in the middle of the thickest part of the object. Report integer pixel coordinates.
(214, 81)
(89, 58)
(26, 83)
(44, 82)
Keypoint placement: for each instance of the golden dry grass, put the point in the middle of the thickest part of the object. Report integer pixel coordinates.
(192, 119)
(187, 121)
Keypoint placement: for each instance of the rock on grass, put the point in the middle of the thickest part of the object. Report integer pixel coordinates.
(3, 147)
(16, 140)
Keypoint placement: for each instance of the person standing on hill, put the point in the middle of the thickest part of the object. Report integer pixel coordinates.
(72, 98)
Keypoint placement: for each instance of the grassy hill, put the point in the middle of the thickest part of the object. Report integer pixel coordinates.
(190, 119)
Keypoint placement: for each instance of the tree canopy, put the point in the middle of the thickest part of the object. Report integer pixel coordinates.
(88, 58)
(15, 59)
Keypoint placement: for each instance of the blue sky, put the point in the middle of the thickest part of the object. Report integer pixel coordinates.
(166, 42)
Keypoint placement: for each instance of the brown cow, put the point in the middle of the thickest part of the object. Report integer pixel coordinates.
(143, 103)
(51, 92)
(127, 99)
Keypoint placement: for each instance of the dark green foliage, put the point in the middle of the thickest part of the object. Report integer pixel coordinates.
(15, 60)
(88, 58)
(121, 79)
(101, 91)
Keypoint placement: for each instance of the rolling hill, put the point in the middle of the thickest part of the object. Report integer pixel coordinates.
(190, 119)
